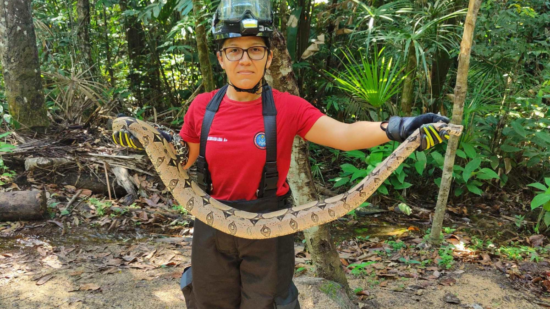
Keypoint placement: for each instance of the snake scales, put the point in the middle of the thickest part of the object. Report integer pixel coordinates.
(260, 225)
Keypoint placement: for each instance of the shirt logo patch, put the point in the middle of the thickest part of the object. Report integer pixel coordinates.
(259, 140)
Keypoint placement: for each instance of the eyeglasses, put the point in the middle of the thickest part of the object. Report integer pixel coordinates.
(236, 53)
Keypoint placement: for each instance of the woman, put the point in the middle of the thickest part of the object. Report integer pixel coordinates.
(240, 137)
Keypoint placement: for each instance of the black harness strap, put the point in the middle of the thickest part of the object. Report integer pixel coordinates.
(270, 175)
(203, 175)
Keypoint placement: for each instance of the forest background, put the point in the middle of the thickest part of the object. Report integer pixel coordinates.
(354, 60)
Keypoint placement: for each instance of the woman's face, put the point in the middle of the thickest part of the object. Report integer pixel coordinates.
(244, 73)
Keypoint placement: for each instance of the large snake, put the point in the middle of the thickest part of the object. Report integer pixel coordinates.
(260, 225)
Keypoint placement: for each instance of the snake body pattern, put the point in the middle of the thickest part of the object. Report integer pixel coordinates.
(260, 225)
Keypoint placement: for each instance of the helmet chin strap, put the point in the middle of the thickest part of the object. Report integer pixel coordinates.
(253, 89)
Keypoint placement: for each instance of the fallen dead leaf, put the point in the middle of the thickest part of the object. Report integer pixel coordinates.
(76, 273)
(174, 275)
(143, 216)
(56, 223)
(52, 261)
(378, 266)
(110, 271)
(141, 266)
(129, 258)
(447, 281)
(486, 259)
(500, 267)
(150, 254)
(536, 240)
(89, 287)
(44, 279)
(114, 262)
(344, 262)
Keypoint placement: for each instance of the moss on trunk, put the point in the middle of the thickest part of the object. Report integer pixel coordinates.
(20, 65)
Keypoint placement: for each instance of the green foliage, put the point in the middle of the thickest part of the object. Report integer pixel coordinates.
(5, 148)
(180, 209)
(375, 81)
(408, 261)
(396, 245)
(542, 199)
(446, 259)
(351, 173)
(519, 253)
(359, 269)
(405, 208)
(100, 205)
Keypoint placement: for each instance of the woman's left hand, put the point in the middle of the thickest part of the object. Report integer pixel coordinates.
(400, 128)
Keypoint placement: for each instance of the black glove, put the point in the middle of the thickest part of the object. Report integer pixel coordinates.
(126, 139)
(399, 128)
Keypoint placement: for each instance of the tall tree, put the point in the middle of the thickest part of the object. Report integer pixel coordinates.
(144, 75)
(408, 83)
(458, 110)
(136, 44)
(20, 65)
(108, 47)
(202, 46)
(83, 11)
(319, 241)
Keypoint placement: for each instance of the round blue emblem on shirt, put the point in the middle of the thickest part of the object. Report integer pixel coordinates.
(259, 140)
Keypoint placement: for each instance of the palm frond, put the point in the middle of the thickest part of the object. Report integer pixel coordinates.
(374, 81)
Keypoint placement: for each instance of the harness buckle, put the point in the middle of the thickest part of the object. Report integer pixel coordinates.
(203, 175)
(269, 180)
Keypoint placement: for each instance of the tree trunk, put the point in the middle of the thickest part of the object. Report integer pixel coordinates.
(22, 205)
(202, 46)
(136, 45)
(319, 241)
(408, 84)
(83, 11)
(283, 14)
(108, 48)
(20, 65)
(442, 64)
(458, 109)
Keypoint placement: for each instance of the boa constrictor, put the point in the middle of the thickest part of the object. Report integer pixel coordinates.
(260, 225)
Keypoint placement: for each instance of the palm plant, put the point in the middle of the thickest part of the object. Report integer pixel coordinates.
(373, 81)
(73, 92)
(480, 102)
(387, 11)
(417, 34)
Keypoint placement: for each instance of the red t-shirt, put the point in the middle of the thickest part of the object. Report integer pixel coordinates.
(235, 150)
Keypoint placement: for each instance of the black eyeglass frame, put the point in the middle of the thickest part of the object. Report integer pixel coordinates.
(245, 50)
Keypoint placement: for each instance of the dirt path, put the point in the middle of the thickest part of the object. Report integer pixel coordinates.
(144, 273)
